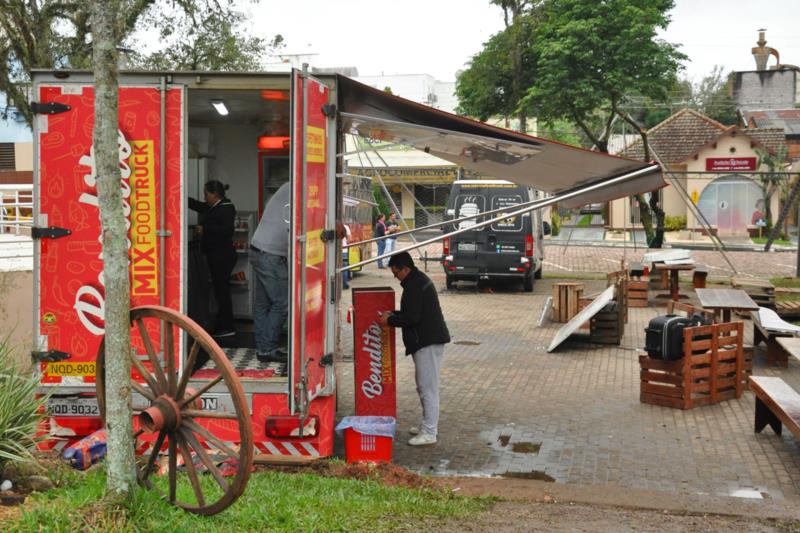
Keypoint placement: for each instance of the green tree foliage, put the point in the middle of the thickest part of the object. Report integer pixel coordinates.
(52, 34)
(712, 96)
(210, 39)
(771, 180)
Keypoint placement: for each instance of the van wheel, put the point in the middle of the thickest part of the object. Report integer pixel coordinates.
(527, 283)
(449, 283)
(538, 273)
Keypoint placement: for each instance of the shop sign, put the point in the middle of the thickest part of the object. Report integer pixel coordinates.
(730, 164)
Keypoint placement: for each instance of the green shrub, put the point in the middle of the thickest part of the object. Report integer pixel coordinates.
(555, 222)
(675, 223)
(20, 412)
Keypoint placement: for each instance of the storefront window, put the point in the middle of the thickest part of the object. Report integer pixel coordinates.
(732, 203)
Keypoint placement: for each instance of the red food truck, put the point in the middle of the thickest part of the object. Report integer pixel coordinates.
(253, 131)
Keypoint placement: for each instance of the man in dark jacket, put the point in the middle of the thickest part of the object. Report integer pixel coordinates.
(424, 335)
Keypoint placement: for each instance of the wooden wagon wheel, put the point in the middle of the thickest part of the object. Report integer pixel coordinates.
(173, 410)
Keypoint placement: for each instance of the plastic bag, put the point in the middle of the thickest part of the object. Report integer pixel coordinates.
(87, 451)
(380, 426)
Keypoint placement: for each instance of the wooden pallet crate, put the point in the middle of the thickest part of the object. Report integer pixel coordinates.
(788, 309)
(638, 293)
(608, 325)
(566, 296)
(713, 369)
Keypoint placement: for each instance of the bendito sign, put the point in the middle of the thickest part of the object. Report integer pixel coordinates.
(374, 353)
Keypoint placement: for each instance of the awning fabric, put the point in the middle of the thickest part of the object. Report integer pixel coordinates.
(545, 165)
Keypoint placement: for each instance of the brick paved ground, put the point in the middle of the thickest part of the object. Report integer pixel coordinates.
(580, 404)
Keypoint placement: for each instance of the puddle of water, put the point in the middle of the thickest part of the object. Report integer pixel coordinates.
(536, 474)
(526, 447)
(467, 343)
(747, 493)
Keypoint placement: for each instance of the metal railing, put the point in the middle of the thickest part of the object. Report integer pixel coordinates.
(16, 209)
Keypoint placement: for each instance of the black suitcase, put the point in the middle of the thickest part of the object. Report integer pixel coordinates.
(664, 336)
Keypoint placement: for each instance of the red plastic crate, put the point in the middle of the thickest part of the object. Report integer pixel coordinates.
(364, 448)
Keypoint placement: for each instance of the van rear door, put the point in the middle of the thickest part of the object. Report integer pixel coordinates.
(69, 269)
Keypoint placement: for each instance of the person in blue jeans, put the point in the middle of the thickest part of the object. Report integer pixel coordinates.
(380, 231)
(392, 227)
(269, 249)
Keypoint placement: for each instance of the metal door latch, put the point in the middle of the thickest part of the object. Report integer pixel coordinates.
(49, 108)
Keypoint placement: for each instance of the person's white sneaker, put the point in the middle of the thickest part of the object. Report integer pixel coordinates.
(423, 439)
(413, 430)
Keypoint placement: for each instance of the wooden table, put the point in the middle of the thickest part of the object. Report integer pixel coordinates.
(674, 288)
(725, 300)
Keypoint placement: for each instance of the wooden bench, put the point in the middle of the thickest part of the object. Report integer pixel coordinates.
(777, 404)
(775, 353)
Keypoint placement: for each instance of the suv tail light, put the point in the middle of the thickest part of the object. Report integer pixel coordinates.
(529, 245)
(446, 246)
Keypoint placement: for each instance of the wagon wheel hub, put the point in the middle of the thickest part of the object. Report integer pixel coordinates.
(163, 414)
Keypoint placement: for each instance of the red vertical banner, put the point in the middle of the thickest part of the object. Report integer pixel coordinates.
(374, 353)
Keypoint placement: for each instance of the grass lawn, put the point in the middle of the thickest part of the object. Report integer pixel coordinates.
(763, 240)
(273, 501)
(584, 221)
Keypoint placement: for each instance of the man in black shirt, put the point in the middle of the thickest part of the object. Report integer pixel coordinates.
(424, 336)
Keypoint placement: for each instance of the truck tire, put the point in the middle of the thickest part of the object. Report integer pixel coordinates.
(527, 283)
(538, 273)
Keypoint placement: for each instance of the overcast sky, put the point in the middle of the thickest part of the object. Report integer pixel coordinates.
(438, 37)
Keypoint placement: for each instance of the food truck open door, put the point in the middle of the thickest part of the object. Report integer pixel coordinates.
(312, 250)
(69, 287)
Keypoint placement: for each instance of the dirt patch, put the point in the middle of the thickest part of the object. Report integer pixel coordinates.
(385, 473)
(503, 440)
(526, 447)
(467, 343)
(557, 517)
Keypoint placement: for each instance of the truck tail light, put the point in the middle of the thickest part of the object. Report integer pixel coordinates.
(529, 245)
(446, 246)
(288, 427)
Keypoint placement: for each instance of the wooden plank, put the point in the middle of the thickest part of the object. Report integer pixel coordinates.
(584, 315)
(662, 390)
(779, 398)
(660, 377)
(663, 401)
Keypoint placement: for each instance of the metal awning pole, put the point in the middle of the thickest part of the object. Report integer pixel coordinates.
(543, 203)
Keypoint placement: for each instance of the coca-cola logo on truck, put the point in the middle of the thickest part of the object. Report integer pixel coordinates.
(375, 342)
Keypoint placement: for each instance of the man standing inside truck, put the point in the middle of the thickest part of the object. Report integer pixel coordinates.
(269, 249)
(424, 336)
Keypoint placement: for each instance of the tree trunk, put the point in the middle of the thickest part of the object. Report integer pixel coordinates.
(646, 218)
(120, 463)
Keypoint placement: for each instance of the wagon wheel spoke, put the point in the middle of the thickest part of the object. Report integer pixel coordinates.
(153, 455)
(205, 459)
(191, 471)
(209, 437)
(202, 390)
(143, 391)
(169, 355)
(146, 375)
(173, 467)
(187, 369)
(151, 354)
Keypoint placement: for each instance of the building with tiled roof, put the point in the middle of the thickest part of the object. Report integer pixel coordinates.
(714, 164)
(785, 120)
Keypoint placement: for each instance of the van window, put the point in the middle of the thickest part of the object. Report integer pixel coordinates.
(469, 205)
(502, 201)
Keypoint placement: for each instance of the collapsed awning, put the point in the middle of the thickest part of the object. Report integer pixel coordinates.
(545, 165)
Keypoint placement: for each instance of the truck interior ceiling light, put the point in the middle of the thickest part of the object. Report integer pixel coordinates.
(219, 105)
(274, 94)
(272, 142)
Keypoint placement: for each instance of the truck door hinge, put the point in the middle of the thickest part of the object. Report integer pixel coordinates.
(49, 108)
(327, 360)
(51, 232)
(49, 356)
(329, 110)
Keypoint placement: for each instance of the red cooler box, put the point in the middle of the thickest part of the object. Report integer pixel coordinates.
(374, 357)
